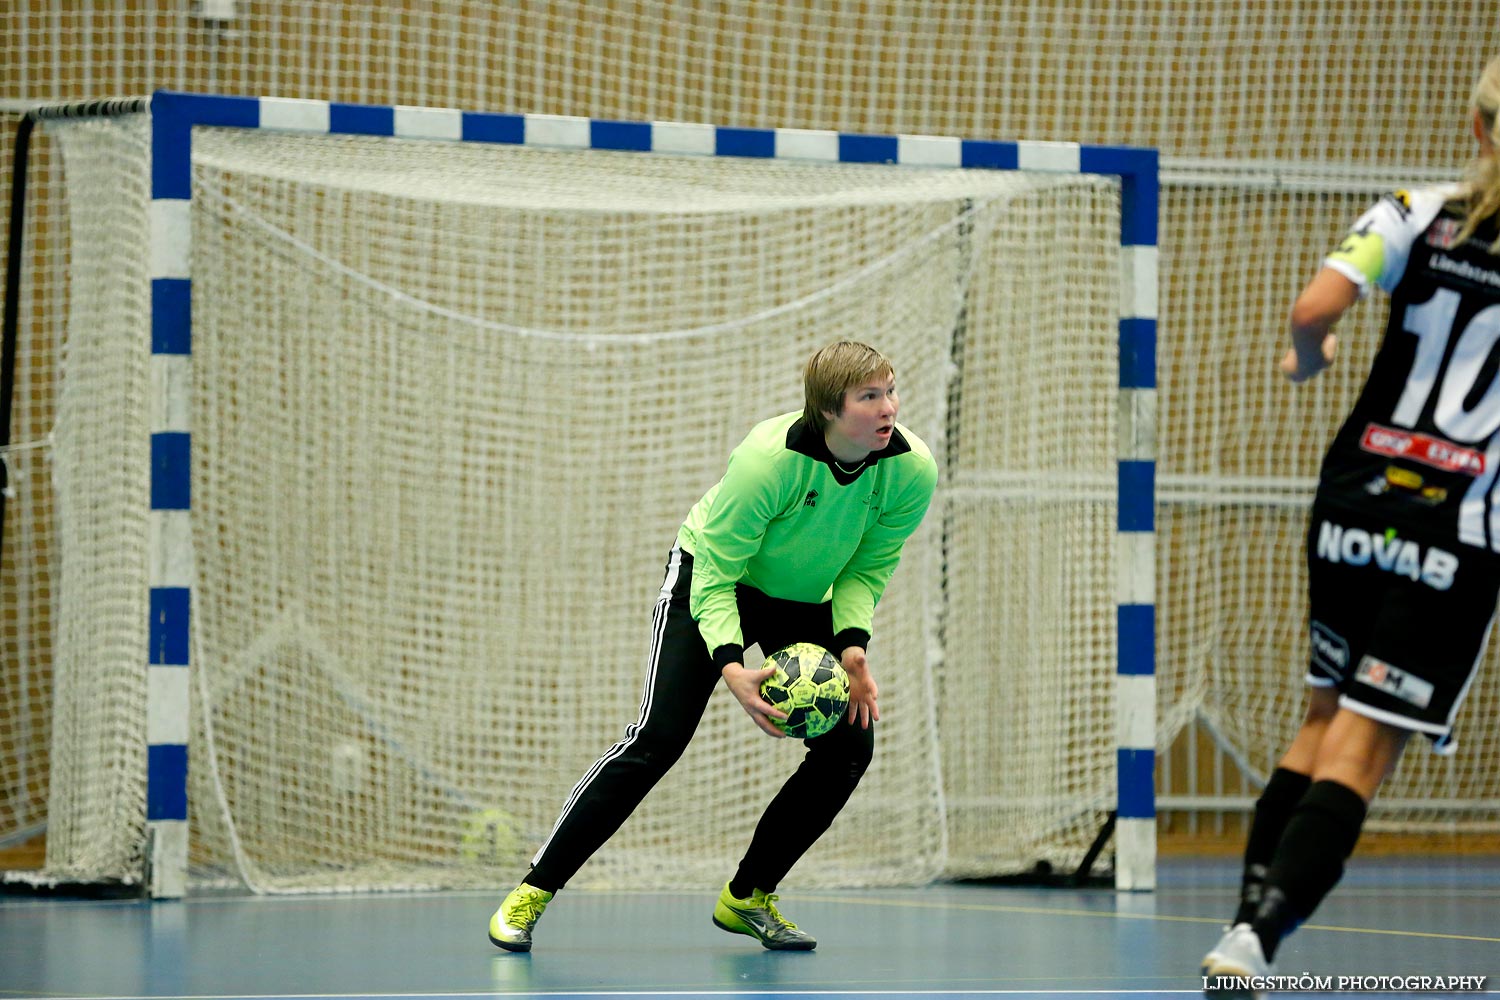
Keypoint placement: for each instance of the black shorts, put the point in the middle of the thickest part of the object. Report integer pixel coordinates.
(1399, 622)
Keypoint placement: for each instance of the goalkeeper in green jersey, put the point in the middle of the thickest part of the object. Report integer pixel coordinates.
(795, 544)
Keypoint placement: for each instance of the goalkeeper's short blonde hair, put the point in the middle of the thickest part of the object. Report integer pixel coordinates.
(835, 370)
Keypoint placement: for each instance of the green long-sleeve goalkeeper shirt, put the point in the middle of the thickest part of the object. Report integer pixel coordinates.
(790, 522)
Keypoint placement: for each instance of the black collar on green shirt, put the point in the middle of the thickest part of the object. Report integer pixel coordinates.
(804, 440)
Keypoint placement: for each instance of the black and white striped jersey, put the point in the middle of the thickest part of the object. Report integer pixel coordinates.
(1420, 447)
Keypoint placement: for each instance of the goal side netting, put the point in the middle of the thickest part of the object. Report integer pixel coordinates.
(450, 403)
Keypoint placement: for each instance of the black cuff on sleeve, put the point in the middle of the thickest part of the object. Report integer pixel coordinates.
(850, 637)
(727, 654)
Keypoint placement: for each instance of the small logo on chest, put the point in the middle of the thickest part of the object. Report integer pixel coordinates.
(811, 500)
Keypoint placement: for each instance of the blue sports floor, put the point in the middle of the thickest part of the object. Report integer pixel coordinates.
(1388, 918)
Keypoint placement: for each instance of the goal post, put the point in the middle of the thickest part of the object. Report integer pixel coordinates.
(1024, 343)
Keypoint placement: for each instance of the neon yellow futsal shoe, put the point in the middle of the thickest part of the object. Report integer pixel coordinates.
(759, 918)
(510, 927)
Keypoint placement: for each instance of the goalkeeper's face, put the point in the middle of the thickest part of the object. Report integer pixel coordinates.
(867, 421)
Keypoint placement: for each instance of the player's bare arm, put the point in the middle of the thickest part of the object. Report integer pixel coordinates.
(1326, 298)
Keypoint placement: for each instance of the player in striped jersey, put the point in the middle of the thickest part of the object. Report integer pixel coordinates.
(1404, 541)
(795, 544)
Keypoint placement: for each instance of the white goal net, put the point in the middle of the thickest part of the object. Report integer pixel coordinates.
(451, 402)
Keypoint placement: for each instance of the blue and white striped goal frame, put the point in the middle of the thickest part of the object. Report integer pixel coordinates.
(173, 117)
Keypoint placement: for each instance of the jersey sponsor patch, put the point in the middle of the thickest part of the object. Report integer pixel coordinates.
(1433, 451)
(1329, 649)
(1464, 271)
(1404, 478)
(1393, 681)
(1357, 547)
(1443, 233)
(1408, 483)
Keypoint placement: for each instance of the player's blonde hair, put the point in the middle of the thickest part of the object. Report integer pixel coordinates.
(1483, 196)
(835, 370)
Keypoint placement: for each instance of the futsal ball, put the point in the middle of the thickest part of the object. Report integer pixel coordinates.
(810, 686)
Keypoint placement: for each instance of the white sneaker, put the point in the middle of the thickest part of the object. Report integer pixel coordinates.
(1236, 959)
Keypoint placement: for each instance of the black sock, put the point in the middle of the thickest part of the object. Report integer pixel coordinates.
(1309, 861)
(740, 887)
(1272, 811)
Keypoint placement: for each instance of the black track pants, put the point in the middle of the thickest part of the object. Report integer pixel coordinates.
(679, 679)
